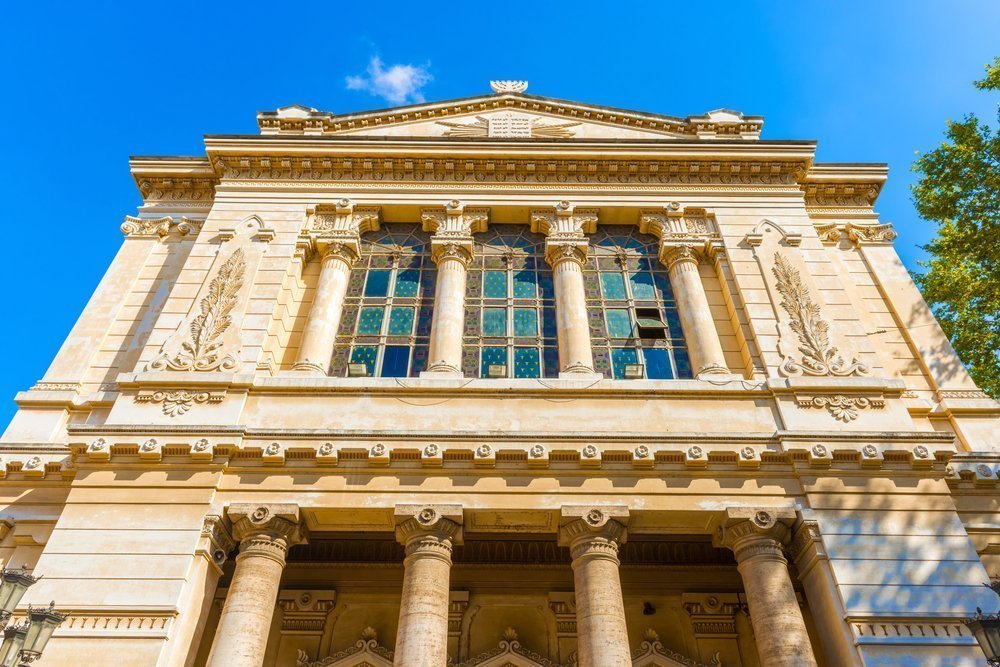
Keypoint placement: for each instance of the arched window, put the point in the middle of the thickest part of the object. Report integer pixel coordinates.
(386, 324)
(510, 323)
(635, 329)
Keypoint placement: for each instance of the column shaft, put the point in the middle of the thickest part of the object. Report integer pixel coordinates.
(704, 346)
(320, 334)
(448, 320)
(422, 634)
(573, 328)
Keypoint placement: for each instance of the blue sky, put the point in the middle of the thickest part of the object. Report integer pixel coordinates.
(86, 85)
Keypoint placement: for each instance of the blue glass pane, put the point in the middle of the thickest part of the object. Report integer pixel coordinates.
(550, 361)
(400, 321)
(683, 363)
(658, 364)
(377, 283)
(492, 356)
(494, 321)
(524, 285)
(525, 322)
(619, 324)
(545, 286)
(620, 356)
(395, 361)
(407, 283)
(613, 286)
(365, 354)
(370, 322)
(674, 324)
(419, 360)
(495, 285)
(526, 362)
(663, 285)
(549, 322)
(642, 286)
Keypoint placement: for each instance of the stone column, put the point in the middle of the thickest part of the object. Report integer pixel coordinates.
(451, 249)
(265, 533)
(566, 252)
(756, 538)
(320, 332)
(428, 533)
(335, 232)
(682, 243)
(593, 536)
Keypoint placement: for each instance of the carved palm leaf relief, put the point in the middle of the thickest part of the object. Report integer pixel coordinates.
(819, 357)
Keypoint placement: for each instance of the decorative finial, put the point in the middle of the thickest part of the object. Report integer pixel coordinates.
(509, 86)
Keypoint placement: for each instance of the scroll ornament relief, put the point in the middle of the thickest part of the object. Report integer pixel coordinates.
(177, 402)
(203, 351)
(819, 357)
(844, 408)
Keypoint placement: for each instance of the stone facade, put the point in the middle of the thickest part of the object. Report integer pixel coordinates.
(505, 380)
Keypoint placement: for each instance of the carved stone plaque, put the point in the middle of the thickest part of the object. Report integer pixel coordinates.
(509, 125)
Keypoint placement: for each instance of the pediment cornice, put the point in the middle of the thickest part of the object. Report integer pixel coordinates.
(303, 120)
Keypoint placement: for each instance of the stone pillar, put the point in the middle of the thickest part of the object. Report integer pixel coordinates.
(825, 604)
(756, 538)
(683, 236)
(428, 533)
(335, 232)
(566, 252)
(265, 533)
(593, 536)
(451, 249)
(320, 332)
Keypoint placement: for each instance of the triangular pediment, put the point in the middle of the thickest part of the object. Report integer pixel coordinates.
(510, 116)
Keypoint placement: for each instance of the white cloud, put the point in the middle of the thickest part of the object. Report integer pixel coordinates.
(397, 84)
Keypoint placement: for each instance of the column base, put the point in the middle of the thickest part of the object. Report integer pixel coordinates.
(716, 377)
(441, 375)
(306, 368)
(581, 377)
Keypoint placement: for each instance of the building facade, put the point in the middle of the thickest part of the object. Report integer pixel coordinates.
(505, 380)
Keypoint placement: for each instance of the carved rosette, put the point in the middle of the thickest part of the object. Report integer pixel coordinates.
(760, 536)
(266, 531)
(217, 543)
(428, 532)
(596, 534)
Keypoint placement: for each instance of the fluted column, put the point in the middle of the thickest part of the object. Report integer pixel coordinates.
(566, 248)
(428, 534)
(593, 536)
(335, 231)
(265, 533)
(320, 332)
(756, 538)
(451, 250)
(684, 237)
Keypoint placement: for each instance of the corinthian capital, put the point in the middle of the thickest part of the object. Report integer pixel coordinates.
(341, 223)
(429, 530)
(593, 531)
(750, 532)
(564, 221)
(453, 225)
(266, 529)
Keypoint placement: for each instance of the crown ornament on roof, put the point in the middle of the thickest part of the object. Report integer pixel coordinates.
(509, 86)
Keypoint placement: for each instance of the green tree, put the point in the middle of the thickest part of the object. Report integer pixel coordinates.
(959, 190)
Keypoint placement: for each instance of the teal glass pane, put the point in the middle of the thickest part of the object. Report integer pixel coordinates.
(526, 362)
(642, 286)
(494, 321)
(525, 322)
(495, 285)
(613, 286)
(407, 283)
(377, 282)
(619, 324)
(400, 321)
(492, 356)
(620, 357)
(370, 321)
(365, 354)
(524, 285)
(395, 361)
(658, 363)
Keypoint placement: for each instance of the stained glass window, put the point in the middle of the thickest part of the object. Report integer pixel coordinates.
(387, 312)
(510, 322)
(632, 312)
